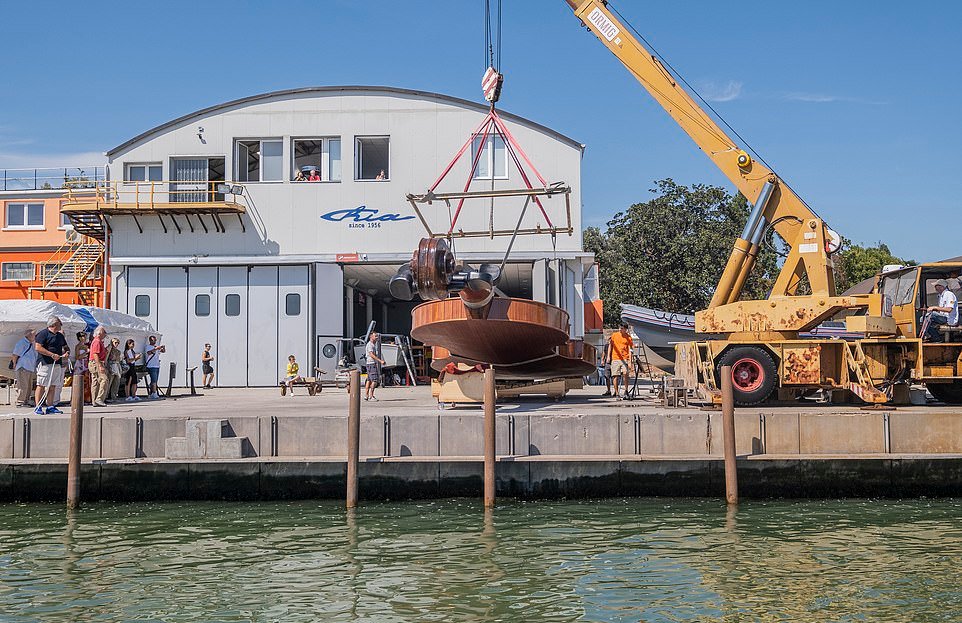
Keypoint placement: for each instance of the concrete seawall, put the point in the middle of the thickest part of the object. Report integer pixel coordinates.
(411, 449)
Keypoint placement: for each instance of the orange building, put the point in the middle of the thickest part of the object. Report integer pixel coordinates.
(41, 257)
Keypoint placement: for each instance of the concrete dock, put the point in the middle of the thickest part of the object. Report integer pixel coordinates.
(254, 444)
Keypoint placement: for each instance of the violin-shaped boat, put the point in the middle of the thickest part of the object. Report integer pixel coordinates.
(521, 339)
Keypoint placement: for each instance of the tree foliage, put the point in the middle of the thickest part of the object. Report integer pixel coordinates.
(855, 263)
(668, 253)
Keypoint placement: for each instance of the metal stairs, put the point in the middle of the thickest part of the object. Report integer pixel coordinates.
(77, 273)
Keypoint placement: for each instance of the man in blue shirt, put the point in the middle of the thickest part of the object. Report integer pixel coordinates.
(25, 367)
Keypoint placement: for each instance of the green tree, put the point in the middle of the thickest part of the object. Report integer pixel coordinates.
(668, 253)
(855, 263)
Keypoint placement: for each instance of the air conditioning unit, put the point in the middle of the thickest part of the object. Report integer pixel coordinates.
(73, 235)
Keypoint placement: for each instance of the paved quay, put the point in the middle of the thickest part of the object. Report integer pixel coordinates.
(254, 444)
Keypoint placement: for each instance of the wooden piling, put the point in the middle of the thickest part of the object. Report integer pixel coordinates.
(76, 440)
(490, 397)
(728, 436)
(353, 436)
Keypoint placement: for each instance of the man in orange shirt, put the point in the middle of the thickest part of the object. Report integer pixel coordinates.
(622, 362)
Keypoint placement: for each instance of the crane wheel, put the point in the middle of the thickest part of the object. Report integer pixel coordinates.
(949, 393)
(754, 373)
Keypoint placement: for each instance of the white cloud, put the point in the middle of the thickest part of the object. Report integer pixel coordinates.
(824, 98)
(24, 160)
(718, 92)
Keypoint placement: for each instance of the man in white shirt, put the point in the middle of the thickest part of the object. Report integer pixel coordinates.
(25, 367)
(945, 313)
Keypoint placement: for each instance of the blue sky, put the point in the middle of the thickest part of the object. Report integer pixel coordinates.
(855, 104)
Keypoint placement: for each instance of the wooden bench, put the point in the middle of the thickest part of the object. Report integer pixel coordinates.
(312, 383)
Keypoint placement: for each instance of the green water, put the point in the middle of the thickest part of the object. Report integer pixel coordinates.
(634, 560)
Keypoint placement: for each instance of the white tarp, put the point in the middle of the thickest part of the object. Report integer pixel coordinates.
(118, 324)
(16, 316)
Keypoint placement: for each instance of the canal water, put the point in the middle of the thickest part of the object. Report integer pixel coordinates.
(613, 560)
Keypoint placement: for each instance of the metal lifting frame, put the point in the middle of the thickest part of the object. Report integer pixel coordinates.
(494, 126)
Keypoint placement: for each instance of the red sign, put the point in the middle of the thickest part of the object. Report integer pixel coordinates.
(347, 257)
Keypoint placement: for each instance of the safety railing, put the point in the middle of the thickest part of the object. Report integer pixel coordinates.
(157, 195)
(51, 178)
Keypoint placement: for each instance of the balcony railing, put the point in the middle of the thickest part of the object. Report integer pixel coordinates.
(159, 196)
(51, 178)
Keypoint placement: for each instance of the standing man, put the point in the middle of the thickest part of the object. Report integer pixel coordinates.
(51, 345)
(945, 313)
(622, 363)
(374, 363)
(207, 366)
(99, 376)
(25, 367)
(152, 361)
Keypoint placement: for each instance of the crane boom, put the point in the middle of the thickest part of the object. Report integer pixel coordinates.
(776, 204)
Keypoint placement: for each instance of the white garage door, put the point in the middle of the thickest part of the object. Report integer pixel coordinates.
(263, 366)
(232, 342)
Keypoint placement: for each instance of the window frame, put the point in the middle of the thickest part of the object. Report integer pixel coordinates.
(260, 171)
(325, 155)
(137, 299)
(489, 149)
(147, 166)
(26, 216)
(227, 307)
(196, 299)
(358, 154)
(3, 271)
(287, 304)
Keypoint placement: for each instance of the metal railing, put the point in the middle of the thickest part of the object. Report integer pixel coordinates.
(52, 178)
(155, 194)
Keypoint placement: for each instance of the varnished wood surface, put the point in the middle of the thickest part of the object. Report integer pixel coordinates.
(572, 359)
(514, 330)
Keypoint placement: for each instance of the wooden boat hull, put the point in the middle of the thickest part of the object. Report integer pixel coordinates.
(522, 339)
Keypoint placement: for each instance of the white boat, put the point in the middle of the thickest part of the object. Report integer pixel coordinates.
(16, 316)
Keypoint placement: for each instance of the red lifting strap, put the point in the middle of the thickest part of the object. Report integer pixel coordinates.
(493, 125)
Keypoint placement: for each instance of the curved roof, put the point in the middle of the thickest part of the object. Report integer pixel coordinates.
(336, 89)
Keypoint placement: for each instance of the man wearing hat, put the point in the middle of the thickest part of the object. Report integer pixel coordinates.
(945, 313)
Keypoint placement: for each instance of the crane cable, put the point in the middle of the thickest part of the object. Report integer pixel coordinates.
(492, 37)
(678, 75)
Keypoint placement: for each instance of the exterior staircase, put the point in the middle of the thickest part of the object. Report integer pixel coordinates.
(73, 268)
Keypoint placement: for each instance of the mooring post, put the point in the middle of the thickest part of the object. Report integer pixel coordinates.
(353, 436)
(490, 397)
(728, 437)
(76, 439)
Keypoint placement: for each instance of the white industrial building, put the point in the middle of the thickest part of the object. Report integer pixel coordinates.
(306, 263)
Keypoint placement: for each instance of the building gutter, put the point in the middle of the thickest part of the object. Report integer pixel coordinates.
(332, 258)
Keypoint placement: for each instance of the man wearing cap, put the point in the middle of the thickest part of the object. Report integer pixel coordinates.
(52, 347)
(945, 313)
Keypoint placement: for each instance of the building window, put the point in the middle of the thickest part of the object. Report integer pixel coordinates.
(202, 305)
(372, 155)
(142, 305)
(232, 305)
(18, 271)
(493, 158)
(292, 304)
(259, 161)
(322, 155)
(65, 221)
(25, 215)
(144, 172)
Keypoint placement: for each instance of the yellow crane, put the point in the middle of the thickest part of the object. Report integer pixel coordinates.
(760, 338)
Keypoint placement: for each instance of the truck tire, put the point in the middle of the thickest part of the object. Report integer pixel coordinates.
(754, 374)
(949, 393)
